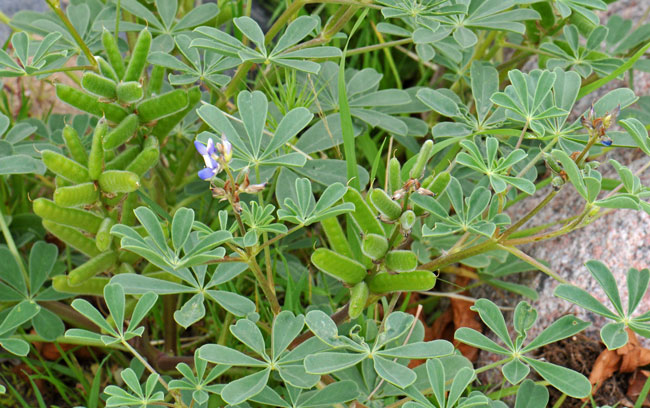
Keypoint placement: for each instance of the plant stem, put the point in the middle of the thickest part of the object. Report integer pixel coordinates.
(268, 292)
(451, 258)
(59, 12)
(514, 227)
(532, 261)
(12, 248)
(380, 46)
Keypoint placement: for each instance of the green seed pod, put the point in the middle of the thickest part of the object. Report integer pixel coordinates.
(127, 216)
(64, 167)
(394, 175)
(167, 124)
(96, 157)
(403, 282)
(121, 133)
(336, 237)
(439, 183)
(552, 163)
(124, 268)
(162, 105)
(61, 182)
(123, 159)
(92, 267)
(71, 217)
(147, 158)
(388, 207)
(106, 69)
(374, 246)
(74, 145)
(91, 287)
(423, 158)
(407, 219)
(139, 56)
(358, 298)
(98, 85)
(584, 25)
(128, 257)
(363, 216)
(129, 92)
(90, 104)
(401, 260)
(72, 237)
(113, 53)
(77, 195)
(338, 266)
(108, 155)
(156, 80)
(118, 181)
(103, 236)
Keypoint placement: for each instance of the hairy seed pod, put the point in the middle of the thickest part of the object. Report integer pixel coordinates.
(394, 175)
(64, 167)
(374, 246)
(74, 145)
(72, 237)
(91, 287)
(118, 181)
(162, 105)
(124, 268)
(407, 219)
(139, 56)
(91, 268)
(103, 236)
(71, 217)
(147, 158)
(121, 133)
(113, 53)
(98, 85)
(404, 282)
(123, 159)
(338, 266)
(108, 155)
(423, 158)
(127, 216)
(167, 124)
(105, 69)
(129, 92)
(156, 80)
(61, 182)
(336, 237)
(90, 104)
(401, 260)
(388, 207)
(77, 195)
(96, 157)
(128, 257)
(439, 183)
(358, 298)
(363, 216)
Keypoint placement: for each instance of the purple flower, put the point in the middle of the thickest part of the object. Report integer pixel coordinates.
(225, 148)
(607, 142)
(210, 157)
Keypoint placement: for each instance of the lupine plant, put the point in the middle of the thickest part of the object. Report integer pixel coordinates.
(221, 211)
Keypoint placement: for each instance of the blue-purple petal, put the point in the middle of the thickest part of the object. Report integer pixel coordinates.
(206, 173)
(607, 142)
(200, 147)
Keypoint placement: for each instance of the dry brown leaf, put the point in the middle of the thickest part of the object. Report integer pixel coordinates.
(458, 315)
(637, 381)
(607, 363)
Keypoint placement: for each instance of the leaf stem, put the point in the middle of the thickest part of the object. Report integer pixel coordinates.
(73, 31)
(12, 248)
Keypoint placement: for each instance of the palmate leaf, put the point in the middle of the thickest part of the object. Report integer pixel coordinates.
(253, 144)
(287, 52)
(165, 27)
(305, 210)
(139, 396)
(207, 67)
(519, 365)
